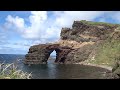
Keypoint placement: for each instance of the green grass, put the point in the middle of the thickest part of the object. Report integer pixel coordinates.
(108, 53)
(98, 23)
(10, 71)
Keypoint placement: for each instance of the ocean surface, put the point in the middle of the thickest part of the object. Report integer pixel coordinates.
(55, 71)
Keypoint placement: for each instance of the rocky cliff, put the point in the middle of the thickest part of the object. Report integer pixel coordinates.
(76, 44)
(84, 31)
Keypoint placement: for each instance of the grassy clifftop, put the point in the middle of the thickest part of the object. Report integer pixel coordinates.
(98, 23)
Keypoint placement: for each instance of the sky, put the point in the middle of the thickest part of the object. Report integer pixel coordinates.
(21, 29)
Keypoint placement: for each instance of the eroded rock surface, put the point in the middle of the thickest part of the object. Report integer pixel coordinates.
(39, 54)
(76, 44)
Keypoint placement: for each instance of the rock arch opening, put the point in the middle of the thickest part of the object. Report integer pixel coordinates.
(52, 57)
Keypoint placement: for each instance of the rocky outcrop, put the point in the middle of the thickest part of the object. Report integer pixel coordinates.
(85, 32)
(76, 44)
(116, 71)
(39, 54)
(79, 54)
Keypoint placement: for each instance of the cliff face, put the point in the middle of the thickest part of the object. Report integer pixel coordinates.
(85, 32)
(76, 44)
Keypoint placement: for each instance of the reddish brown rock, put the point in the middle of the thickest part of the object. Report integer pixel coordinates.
(39, 54)
(79, 54)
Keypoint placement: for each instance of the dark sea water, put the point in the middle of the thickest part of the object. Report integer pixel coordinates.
(57, 71)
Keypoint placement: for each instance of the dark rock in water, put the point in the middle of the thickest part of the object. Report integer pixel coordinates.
(39, 54)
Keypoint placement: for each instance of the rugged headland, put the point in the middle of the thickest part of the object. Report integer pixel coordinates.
(90, 43)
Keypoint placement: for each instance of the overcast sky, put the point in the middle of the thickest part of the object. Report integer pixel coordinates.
(21, 29)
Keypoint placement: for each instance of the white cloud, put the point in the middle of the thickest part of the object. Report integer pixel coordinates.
(45, 27)
(42, 29)
(66, 18)
(17, 22)
(37, 20)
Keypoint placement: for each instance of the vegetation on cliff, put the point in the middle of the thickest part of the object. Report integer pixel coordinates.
(98, 23)
(83, 36)
(10, 71)
(108, 52)
(89, 42)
